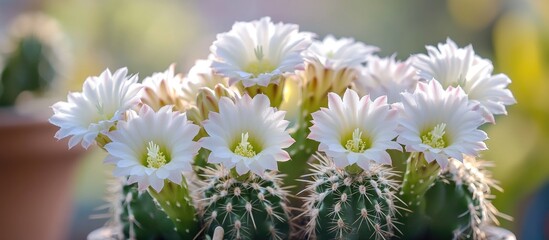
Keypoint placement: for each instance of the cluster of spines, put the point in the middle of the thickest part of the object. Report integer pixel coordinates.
(113, 206)
(473, 175)
(344, 205)
(247, 207)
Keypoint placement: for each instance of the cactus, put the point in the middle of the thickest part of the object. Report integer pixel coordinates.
(350, 204)
(175, 200)
(141, 218)
(34, 57)
(136, 215)
(247, 207)
(462, 193)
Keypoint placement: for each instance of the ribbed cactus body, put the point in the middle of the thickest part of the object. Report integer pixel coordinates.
(249, 207)
(141, 218)
(459, 203)
(344, 205)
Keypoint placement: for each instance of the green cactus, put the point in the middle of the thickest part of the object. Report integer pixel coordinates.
(246, 207)
(462, 193)
(350, 203)
(33, 57)
(141, 218)
(175, 200)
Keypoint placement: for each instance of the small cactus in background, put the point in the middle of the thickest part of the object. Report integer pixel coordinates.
(350, 205)
(246, 207)
(34, 56)
(462, 193)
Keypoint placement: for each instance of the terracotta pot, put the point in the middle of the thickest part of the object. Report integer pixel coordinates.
(37, 176)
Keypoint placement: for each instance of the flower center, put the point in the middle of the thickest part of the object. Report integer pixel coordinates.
(155, 157)
(244, 148)
(435, 138)
(330, 54)
(461, 81)
(260, 65)
(102, 114)
(356, 143)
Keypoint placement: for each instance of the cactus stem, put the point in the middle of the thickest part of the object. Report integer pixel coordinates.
(420, 176)
(176, 202)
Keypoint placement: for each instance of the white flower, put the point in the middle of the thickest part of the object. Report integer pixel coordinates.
(152, 147)
(164, 88)
(454, 66)
(440, 123)
(340, 53)
(331, 66)
(201, 75)
(355, 130)
(386, 76)
(102, 102)
(259, 52)
(248, 134)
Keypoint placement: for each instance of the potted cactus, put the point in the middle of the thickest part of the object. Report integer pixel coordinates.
(381, 149)
(39, 169)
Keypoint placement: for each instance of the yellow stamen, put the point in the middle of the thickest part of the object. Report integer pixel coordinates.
(356, 144)
(260, 65)
(244, 148)
(155, 157)
(435, 138)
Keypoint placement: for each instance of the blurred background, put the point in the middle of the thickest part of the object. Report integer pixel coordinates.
(147, 36)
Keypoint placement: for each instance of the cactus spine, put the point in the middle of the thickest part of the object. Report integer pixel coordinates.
(350, 205)
(246, 207)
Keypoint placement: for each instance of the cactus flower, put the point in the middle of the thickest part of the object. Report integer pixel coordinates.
(454, 66)
(152, 147)
(386, 76)
(102, 102)
(440, 123)
(259, 52)
(337, 54)
(164, 88)
(247, 134)
(355, 130)
(201, 75)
